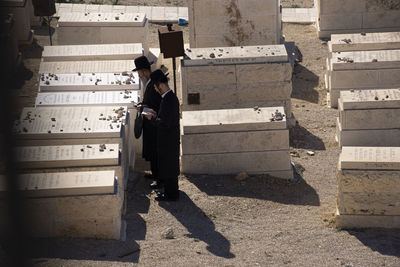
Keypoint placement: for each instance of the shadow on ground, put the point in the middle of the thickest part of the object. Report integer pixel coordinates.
(300, 137)
(199, 225)
(102, 250)
(304, 83)
(260, 187)
(384, 241)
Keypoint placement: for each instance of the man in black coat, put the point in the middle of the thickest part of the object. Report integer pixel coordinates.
(168, 137)
(152, 100)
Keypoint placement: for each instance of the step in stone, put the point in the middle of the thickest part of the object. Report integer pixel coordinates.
(370, 99)
(89, 81)
(92, 52)
(102, 19)
(349, 221)
(364, 60)
(99, 98)
(76, 67)
(67, 156)
(370, 158)
(364, 42)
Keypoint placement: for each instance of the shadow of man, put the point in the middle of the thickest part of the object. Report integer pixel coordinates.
(199, 225)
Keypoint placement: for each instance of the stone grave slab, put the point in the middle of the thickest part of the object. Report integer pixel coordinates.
(377, 137)
(232, 120)
(364, 42)
(76, 67)
(67, 183)
(102, 19)
(363, 119)
(230, 142)
(364, 60)
(99, 98)
(92, 52)
(370, 158)
(370, 99)
(235, 55)
(67, 156)
(276, 163)
(72, 122)
(350, 221)
(370, 203)
(50, 82)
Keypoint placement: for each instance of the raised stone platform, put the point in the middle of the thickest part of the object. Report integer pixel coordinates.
(368, 187)
(234, 23)
(253, 76)
(231, 141)
(76, 67)
(92, 52)
(89, 82)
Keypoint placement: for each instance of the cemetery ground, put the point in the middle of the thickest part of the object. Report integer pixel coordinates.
(221, 221)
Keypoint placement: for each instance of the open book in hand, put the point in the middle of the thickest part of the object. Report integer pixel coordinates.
(148, 111)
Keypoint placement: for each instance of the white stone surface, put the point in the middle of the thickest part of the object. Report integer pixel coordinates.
(370, 158)
(370, 99)
(231, 120)
(67, 156)
(364, 60)
(71, 122)
(99, 98)
(364, 42)
(89, 82)
(101, 66)
(67, 183)
(102, 19)
(235, 55)
(92, 52)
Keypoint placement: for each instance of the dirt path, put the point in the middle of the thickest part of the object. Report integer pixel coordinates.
(261, 221)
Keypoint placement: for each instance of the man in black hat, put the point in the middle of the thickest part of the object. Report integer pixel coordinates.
(151, 100)
(168, 137)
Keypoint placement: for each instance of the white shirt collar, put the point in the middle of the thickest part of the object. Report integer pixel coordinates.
(165, 93)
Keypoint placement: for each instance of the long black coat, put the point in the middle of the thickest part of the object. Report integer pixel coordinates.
(151, 99)
(168, 136)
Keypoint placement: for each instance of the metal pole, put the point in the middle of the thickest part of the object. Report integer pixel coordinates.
(48, 23)
(174, 67)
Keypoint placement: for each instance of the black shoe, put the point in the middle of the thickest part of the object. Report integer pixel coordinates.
(148, 176)
(156, 185)
(164, 197)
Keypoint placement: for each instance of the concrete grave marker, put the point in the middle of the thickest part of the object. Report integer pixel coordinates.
(363, 42)
(370, 99)
(370, 158)
(76, 67)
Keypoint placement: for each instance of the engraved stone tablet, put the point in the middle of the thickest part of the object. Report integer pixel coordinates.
(89, 81)
(101, 19)
(235, 55)
(92, 52)
(370, 158)
(370, 99)
(67, 183)
(99, 98)
(228, 120)
(76, 67)
(71, 122)
(67, 156)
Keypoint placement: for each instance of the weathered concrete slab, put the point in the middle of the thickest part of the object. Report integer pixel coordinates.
(364, 181)
(364, 42)
(235, 55)
(348, 221)
(370, 99)
(379, 137)
(67, 183)
(370, 203)
(229, 142)
(231, 120)
(337, 21)
(76, 67)
(268, 162)
(89, 82)
(240, 22)
(341, 6)
(327, 33)
(370, 158)
(365, 60)
(102, 19)
(99, 98)
(67, 156)
(92, 52)
(370, 79)
(360, 119)
(72, 122)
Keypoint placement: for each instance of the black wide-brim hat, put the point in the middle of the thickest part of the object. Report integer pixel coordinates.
(142, 63)
(157, 76)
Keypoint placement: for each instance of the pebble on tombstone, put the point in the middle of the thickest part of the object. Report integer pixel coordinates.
(241, 176)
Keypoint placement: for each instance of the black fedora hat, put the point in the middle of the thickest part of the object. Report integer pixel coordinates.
(157, 76)
(142, 63)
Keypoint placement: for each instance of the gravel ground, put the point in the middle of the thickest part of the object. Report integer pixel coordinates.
(219, 221)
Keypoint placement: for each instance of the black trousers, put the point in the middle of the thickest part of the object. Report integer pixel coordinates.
(154, 169)
(171, 187)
